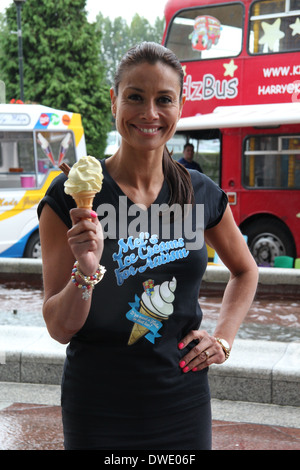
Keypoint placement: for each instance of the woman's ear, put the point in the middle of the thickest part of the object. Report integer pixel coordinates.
(181, 106)
(113, 99)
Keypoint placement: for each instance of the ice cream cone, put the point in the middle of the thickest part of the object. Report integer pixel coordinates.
(84, 199)
(138, 331)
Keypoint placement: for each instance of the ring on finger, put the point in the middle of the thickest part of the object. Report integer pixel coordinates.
(206, 354)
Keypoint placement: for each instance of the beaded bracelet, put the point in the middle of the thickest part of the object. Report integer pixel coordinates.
(89, 281)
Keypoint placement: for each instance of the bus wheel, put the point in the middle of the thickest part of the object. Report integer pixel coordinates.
(33, 247)
(268, 239)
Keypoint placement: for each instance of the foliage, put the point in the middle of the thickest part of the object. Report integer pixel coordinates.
(69, 63)
(118, 37)
(61, 63)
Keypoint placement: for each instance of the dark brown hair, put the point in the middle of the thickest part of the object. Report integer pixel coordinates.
(178, 178)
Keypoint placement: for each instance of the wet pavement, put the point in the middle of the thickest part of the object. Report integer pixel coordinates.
(243, 436)
(31, 427)
(37, 426)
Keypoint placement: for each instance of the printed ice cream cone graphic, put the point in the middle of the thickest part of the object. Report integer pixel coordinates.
(138, 331)
(84, 181)
(156, 305)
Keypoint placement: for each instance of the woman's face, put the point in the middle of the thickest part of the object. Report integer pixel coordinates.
(148, 105)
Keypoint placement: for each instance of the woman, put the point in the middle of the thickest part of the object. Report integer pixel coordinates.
(135, 375)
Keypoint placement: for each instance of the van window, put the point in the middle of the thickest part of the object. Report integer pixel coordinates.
(52, 148)
(25, 157)
(272, 162)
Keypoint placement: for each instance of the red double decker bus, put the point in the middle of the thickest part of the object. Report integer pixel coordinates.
(242, 112)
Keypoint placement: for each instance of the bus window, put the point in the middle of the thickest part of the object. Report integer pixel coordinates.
(272, 162)
(176, 145)
(207, 33)
(274, 26)
(207, 154)
(207, 148)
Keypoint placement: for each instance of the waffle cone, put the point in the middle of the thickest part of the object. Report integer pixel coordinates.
(84, 199)
(138, 331)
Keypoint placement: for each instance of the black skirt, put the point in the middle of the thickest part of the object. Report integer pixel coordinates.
(187, 430)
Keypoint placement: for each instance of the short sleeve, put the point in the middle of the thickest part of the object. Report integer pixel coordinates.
(56, 198)
(215, 200)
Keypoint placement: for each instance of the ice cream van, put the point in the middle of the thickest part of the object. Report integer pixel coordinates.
(34, 141)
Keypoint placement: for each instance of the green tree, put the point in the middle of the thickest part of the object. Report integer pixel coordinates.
(61, 64)
(114, 42)
(142, 30)
(118, 37)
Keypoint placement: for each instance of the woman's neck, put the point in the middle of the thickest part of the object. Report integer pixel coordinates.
(139, 174)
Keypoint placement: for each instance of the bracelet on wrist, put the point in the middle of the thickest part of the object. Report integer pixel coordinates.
(89, 282)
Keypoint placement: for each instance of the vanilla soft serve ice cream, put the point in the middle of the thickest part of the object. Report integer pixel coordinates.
(85, 175)
(84, 181)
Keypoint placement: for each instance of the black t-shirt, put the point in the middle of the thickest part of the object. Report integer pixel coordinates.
(151, 285)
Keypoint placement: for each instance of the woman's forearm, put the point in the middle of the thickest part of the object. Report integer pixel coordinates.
(65, 313)
(237, 300)
(64, 309)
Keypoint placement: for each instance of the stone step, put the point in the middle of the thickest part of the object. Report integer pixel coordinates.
(257, 371)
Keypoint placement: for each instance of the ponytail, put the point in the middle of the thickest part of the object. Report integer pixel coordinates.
(179, 181)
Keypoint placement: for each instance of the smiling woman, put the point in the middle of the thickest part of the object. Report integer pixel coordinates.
(147, 106)
(146, 118)
(147, 103)
(135, 375)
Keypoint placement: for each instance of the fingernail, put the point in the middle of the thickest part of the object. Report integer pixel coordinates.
(181, 345)
(182, 363)
(185, 369)
(194, 369)
(94, 214)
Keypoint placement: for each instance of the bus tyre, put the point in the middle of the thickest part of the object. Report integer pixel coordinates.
(268, 239)
(33, 247)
